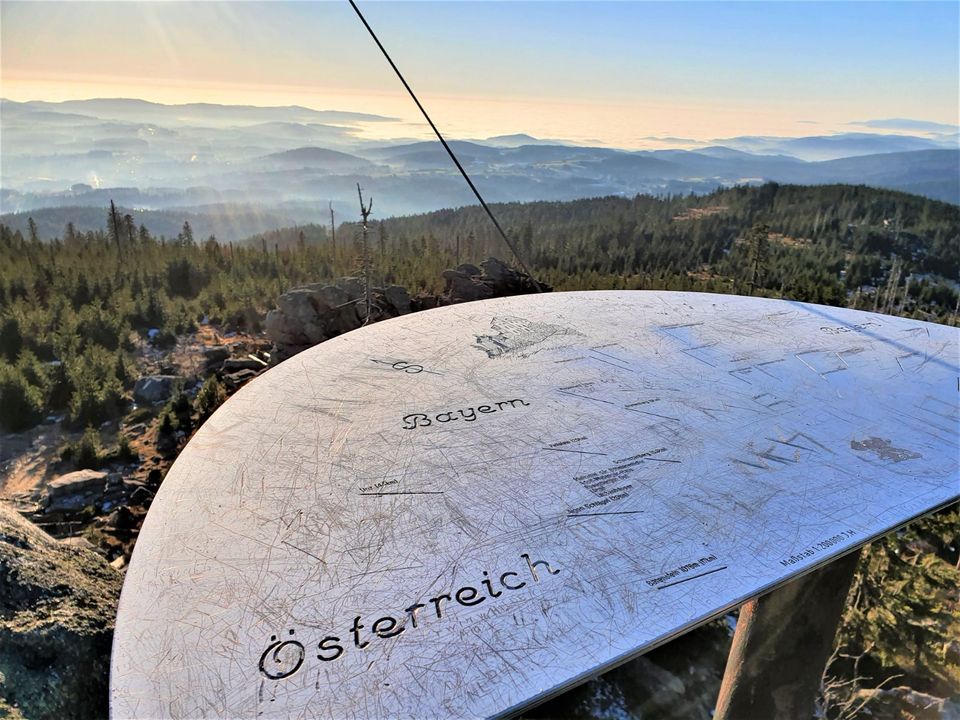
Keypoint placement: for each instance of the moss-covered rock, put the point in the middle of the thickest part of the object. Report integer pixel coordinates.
(57, 609)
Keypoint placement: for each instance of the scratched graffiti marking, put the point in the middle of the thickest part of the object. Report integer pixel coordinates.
(404, 366)
(522, 337)
(792, 450)
(826, 363)
(883, 449)
(841, 329)
(764, 368)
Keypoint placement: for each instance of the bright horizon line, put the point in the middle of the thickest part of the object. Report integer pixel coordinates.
(411, 126)
(593, 73)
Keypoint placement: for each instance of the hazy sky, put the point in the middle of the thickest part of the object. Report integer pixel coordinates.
(612, 73)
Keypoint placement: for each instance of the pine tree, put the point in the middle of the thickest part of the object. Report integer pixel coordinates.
(758, 240)
(129, 228)
(114, 224)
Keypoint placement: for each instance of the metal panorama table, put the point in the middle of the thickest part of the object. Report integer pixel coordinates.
(462, 511)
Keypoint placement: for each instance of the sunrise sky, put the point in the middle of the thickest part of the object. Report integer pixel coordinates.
(605, 73)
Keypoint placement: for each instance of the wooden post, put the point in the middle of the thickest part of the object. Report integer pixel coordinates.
(781, 645)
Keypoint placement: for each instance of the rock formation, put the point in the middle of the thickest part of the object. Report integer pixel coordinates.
(313, 313)
(57, 608)
(494, 278)
(154, 388)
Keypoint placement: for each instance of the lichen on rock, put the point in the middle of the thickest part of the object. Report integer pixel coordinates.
(57, 608)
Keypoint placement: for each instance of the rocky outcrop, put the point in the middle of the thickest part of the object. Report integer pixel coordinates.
(74, 491)
(235, 363)
(105, 501)
(215, 355)
(313, 313)
(57, 608)
(155, 388)
(494, 278)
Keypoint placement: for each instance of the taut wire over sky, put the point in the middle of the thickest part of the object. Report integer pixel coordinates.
(606, 73)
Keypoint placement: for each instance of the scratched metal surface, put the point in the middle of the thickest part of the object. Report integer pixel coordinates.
(455, 512)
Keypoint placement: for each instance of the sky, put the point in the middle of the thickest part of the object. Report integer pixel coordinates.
(614, 74)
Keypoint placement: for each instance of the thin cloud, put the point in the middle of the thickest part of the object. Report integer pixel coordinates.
(907, 124)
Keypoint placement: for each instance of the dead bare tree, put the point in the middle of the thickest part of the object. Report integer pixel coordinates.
(893, 285)
(843, 699)
(333, 233)
(365, 211)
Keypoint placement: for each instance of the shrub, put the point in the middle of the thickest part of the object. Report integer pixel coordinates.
(11, 339)
(182, 409)
(87, 453)
(21, 404)
(101, 327)
(34, 372)
(210, 397)
(97, 393)
(125, 453)
(121, 371)
(165, 339)
(168, 423)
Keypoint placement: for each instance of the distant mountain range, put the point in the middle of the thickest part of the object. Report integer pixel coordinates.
(143, 111)
(832, 147)
(290, 161)
(316, 158)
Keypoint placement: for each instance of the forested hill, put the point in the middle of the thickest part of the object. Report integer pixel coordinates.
(824, 241)
(606, 233)
(77, 312)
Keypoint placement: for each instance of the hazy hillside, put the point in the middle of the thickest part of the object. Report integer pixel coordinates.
(186, 156)
(832, 147)
(318, 158)
(933, 173)
(226, 222)
(824, 224)
(134, 110)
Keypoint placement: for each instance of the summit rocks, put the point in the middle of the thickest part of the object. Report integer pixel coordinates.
(310, 314)
(313, 313)
(57, 608)
(494, 278)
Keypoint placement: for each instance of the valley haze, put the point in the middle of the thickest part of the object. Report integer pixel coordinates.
(238, 170)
